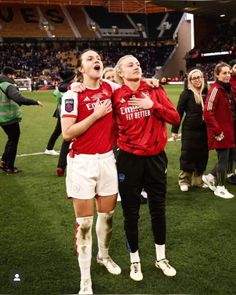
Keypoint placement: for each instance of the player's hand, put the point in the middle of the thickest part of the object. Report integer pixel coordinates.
(144, 103)
(77, 87)
(175, 136)
(154, 83)
(220, 137)
(102, 108)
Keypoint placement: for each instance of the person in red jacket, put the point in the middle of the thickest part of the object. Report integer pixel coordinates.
(141, 113)
(231, 176)
(233, 77)
(220, 118)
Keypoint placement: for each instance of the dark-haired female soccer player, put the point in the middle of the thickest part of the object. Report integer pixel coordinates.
(87, 120)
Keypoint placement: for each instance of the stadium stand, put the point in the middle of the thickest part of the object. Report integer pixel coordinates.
(20, 21)
(218, 45)
(55, 21)
(113, 34)
(81, 21)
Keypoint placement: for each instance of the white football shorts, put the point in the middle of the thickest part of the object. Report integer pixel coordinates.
(91, 175)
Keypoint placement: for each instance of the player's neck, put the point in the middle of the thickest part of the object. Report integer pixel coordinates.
(133, 85)
(91, 83)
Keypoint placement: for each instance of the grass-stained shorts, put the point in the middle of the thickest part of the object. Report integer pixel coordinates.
(90, 175)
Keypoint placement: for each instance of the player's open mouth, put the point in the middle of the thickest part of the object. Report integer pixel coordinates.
(97, 67)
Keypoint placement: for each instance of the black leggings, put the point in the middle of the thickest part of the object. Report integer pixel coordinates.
(135, 173)
(54, 136)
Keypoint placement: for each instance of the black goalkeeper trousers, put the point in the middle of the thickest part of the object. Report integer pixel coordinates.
(135, 173)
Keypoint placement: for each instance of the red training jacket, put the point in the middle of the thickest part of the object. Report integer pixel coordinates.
(218, 117)
(143, 132)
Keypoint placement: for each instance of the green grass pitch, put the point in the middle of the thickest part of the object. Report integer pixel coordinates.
(37, 227)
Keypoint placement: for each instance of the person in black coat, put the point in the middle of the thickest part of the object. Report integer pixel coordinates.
(194, 145)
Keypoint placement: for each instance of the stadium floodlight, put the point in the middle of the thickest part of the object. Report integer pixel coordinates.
(115, 30)
(216, 53)
(93, 26)
(140, 27)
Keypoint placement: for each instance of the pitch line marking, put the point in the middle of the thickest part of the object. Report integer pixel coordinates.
(42, 153)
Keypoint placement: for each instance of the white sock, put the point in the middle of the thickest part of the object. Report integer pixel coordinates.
(134, 257)
(160, 252)
(83, 243)
(220, 187)
(104, 232)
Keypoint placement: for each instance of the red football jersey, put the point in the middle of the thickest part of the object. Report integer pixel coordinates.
(143, 132)
(99, 138)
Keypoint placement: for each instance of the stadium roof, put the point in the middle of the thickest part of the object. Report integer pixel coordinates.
(125, 6)
(207, 8)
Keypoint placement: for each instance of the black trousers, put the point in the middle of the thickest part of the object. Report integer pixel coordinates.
(135, 173)
(13, 133)
(225, 158)
(54, 136)
(62, 161)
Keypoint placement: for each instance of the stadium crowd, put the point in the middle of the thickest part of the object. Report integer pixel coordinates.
(42, 61)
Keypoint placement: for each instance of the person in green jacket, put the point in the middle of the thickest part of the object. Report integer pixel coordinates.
(67, 77)
(10, 116)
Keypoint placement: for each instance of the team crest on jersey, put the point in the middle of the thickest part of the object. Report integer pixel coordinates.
(145, 93)
(97, 96)
(69, 105)
(105, 92)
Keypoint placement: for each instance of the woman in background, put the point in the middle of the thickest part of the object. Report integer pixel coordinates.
(220, 118)
(194, 147)
(108, 74)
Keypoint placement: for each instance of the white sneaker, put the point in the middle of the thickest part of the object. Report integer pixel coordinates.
(167, 269)
(144, 194)
(51, 152)
(184, 187)
(209, 180)
(110, 265)
(136, 272)
(86, 287)
(222, 192)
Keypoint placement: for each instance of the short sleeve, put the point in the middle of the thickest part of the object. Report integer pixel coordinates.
(113, 85)
(69, 106)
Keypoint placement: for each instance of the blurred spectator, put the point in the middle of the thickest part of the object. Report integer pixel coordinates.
(10, 116)
(194, 147)
(220, 118)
